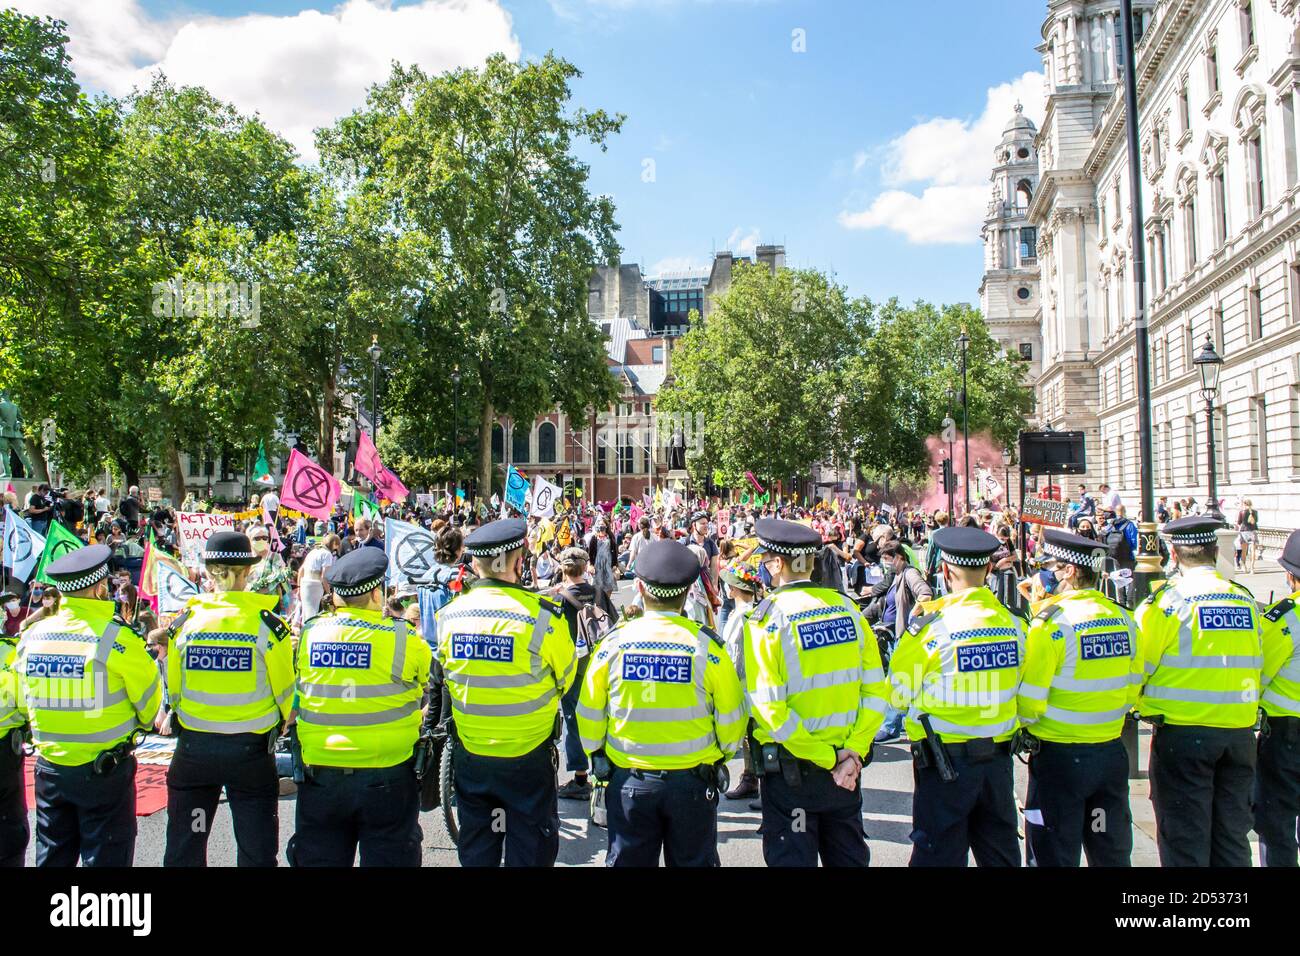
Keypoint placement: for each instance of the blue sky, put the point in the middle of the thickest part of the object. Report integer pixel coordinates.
(866, 152)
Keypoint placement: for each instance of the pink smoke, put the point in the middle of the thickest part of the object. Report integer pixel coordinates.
(984, 453)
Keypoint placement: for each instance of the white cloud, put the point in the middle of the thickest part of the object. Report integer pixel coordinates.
(950, 159)
(298, 72)
(742, 242)
(859, 160)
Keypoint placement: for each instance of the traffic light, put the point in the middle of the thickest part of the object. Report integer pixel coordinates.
(949, 479)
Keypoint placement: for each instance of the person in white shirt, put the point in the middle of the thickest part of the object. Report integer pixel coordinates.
(311, 580)
(1110, 499)
(638, 542)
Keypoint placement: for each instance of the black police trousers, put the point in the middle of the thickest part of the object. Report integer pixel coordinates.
(816, 818)
(1080, 791)
(674, 811)
(1201, 782)
(14, 833)
(374, 808)
(506, 803)
(203, 765)
(1277, 791)
(974, 814)
(80, 814)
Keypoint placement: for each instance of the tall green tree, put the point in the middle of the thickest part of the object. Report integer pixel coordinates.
(765, 374)
(481, 163)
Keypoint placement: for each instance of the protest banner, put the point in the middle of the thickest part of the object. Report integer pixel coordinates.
(193, 528)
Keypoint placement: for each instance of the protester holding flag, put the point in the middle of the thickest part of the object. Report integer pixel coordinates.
(311, 577)
(270, 575)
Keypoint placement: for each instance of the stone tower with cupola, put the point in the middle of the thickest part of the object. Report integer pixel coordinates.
(1009, 292)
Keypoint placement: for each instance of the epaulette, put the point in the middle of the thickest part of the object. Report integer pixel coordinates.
(126, 625)
(275, 624)
(711, 634)
(549, 603)
(760, 612)
(919, 622)
(1238, 584)
(1018, 612)
(1047, 613)
(1279, 610)
(174, 627)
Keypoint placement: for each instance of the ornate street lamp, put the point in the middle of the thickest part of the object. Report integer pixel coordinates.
(1209, 364)
(963, 342)
(375, 351)
(455, 435)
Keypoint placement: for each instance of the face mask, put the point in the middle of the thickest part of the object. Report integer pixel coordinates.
(12, 606)
(260, 546)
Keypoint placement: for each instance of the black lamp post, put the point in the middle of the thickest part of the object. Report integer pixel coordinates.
(375, 351)
(963, 342)
(1006, 485)
(455, 436)
(1210, 363)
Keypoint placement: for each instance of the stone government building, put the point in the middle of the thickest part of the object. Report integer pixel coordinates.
(1218, 83)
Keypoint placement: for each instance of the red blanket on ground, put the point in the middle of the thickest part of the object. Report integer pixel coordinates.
(150, 787)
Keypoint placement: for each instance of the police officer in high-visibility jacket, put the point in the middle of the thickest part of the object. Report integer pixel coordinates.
(956, 670)
(14, 833)
(360, 678)
(230, 680)
(1082, 673)
(662, 701)
(507, 658)
(1202, 649)
(1277, 777)
(88, 688)
(817, 693)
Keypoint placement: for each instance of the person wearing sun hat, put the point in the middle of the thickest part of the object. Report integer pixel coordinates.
(746, 589)
(1277, 776)
(87, 687)
(230, 681)
(1202, 649)
(817, 694)
(1082, 673)
(507, 659)
(661, 701)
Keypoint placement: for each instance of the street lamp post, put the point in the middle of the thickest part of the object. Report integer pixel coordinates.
(1210, 363)
(455, 437)
(375, 351)
(1148, 558)
(1006, 485)
(963, 341)
(952, 463)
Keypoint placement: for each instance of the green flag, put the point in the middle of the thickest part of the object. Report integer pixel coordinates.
(58, 542)
(363, 507)
(262, 470)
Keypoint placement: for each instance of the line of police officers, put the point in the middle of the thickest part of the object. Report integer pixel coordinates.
(662, 708)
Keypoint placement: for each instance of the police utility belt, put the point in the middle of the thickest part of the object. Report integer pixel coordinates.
(715, 776)
(775, 759)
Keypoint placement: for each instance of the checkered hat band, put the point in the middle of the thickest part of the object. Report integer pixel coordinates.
(790, 550)
(1199, 537)
(228, 555)
(965, 560)
(1073, 557)
(85, 581)
(482, 552)
(352, 590)
(656, 590)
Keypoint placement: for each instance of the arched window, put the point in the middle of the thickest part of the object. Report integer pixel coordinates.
(519, 445)
(546, 443)
(1024, 194)
(498, 443)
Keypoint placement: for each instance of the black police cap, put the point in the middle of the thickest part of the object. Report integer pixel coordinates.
(667, 568)
(80, 569)
(1194, 529)
(1290, 558)
(965, 547)
(1073, 549)
(787, 538)
(358, 572)
(229, 547)
(497, 537)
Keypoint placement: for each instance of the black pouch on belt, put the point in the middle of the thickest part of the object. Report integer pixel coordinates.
(791, 771)
(771, 755)
(920, 755)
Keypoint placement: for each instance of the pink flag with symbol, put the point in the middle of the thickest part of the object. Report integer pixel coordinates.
(367, 461)
(308, 487)
(389, 485)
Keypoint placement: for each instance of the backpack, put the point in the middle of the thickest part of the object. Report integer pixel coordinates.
(1118, 547)
(593, 624)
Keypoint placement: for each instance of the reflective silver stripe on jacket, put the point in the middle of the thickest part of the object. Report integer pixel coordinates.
(260, 692)
(676, 749)
(1192, 696)
(1277, 697)
(252, 726)
(98, 737)
(986, 730)
(506, 710)
(1085, 717)
(391, 715)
